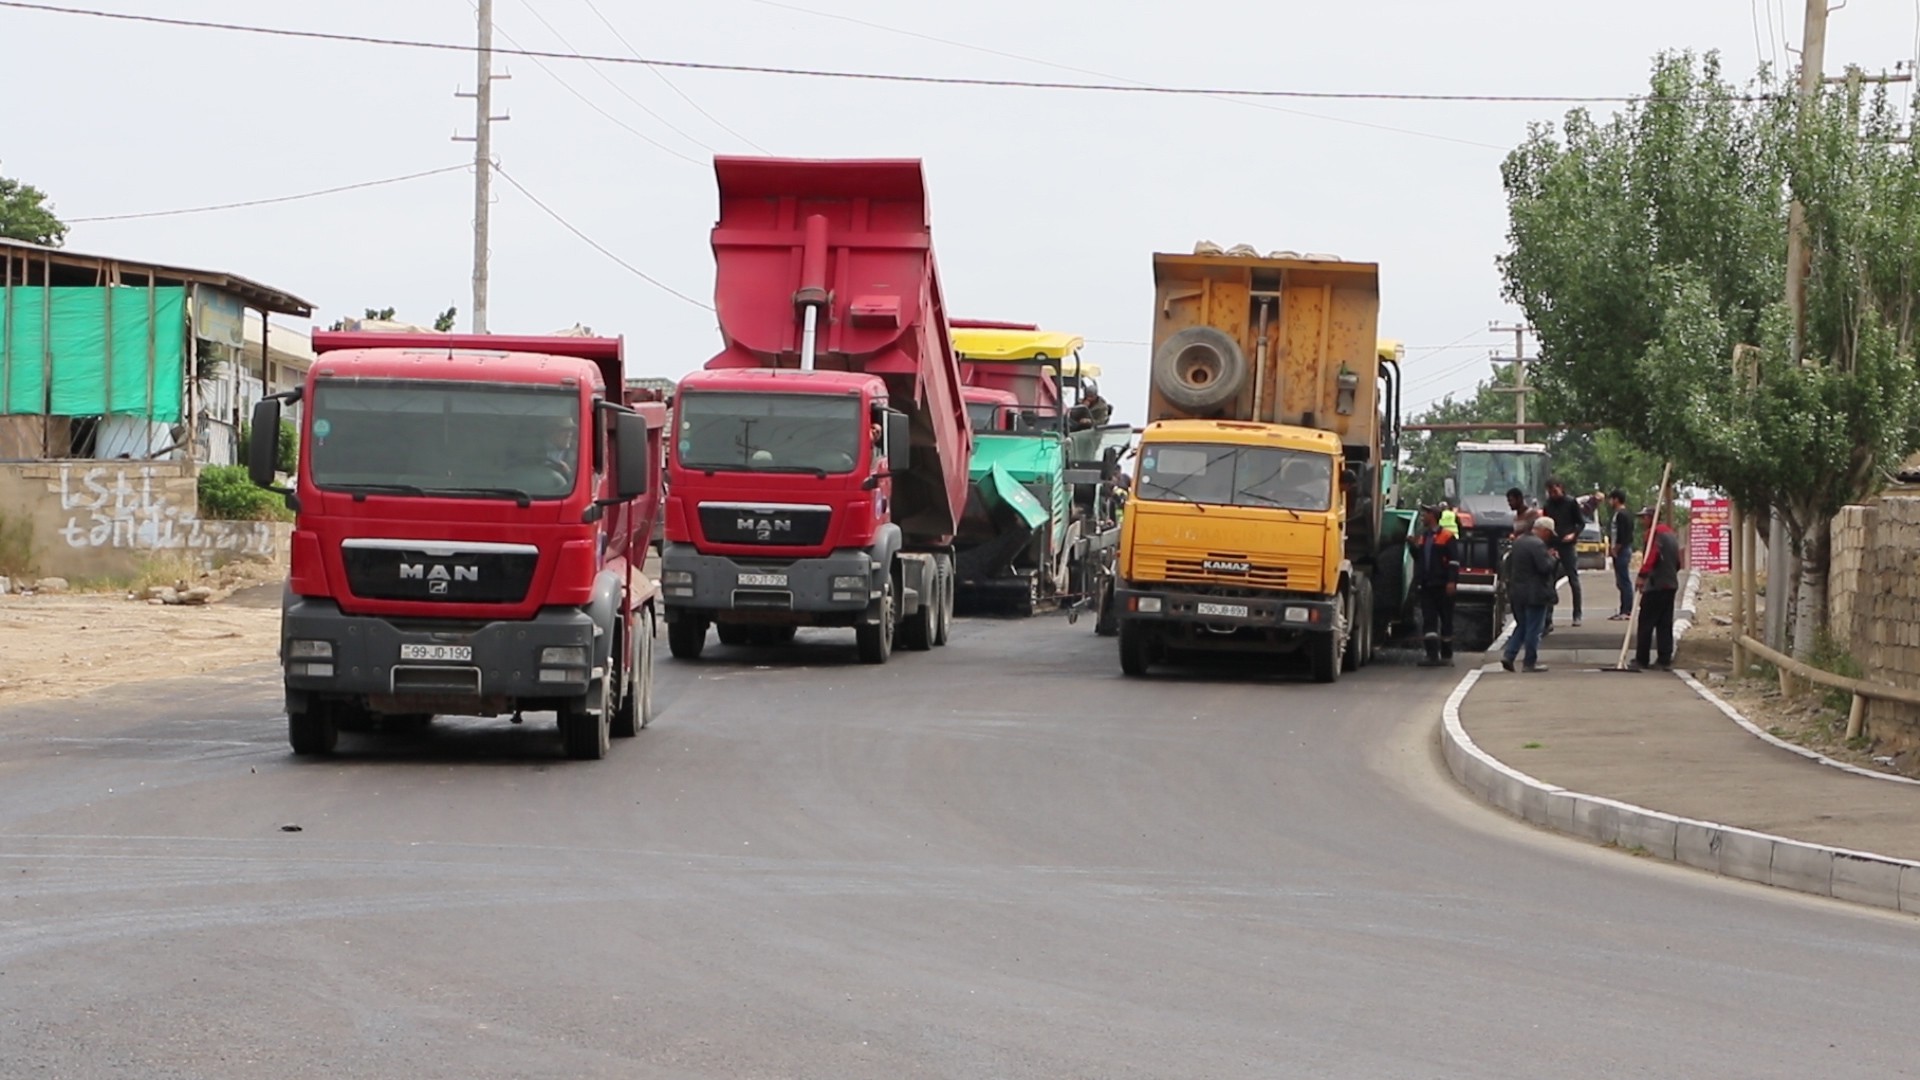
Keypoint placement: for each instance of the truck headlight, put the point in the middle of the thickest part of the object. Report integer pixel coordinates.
(311, 670)
(564, 656)
(309, 649)
(849, 581)
(1298, 614)
(677, 577)
(1147, 605)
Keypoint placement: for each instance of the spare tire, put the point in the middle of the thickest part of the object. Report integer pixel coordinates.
(1199, 369)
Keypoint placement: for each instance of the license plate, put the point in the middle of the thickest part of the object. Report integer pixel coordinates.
(1232, 611)
(765, 581)
(431, 653)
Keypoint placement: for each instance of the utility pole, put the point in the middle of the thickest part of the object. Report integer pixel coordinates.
(482, 140)
(1813, 52)
(1519, 360)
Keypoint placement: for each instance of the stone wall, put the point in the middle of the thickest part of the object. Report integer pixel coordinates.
(1874, 605)
(108, 520)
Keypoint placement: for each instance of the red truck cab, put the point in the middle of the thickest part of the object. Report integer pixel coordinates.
(470, 535)
(819, 462)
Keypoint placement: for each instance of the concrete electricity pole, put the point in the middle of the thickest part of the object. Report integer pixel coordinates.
(1779, 560)
(1519, 389)
(482, 140)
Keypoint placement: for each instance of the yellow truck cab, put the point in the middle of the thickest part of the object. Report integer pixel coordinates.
(1255, 522)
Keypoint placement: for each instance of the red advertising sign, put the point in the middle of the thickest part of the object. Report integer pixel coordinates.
(1710, 536)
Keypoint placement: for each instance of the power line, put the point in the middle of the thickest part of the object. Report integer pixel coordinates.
(589, 102)
(591, 6)
(595, 244)
(886, 77)
(1104, 75)
(608, 79)
(266, 202)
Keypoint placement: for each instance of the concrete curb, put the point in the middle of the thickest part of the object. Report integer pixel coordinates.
(1859, 877)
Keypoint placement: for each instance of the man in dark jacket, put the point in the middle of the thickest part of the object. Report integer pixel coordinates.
(1659, 587)
(1436, 571)
(1564, 509)
(1620, 546)
(1530, 571)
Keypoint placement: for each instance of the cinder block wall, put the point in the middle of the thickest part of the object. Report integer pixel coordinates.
(102, 520)
(1884, 606)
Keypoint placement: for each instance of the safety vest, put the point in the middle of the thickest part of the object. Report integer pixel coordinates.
(1449, 520)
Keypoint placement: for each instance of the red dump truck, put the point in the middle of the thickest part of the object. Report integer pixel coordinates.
(818, 466)
(470, 534)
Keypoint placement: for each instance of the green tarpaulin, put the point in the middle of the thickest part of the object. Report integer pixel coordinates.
(141, 374)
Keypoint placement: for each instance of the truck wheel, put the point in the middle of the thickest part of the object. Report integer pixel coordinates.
(686, 638)
(876, 642)
(917, 629)
(1199, 369)
(1106, 619)
(1328, 651)
(586, 724)
(1136, 648)
(312, 733)
(943, 623)
(631, 716)
(735, 635)
(1359, 623)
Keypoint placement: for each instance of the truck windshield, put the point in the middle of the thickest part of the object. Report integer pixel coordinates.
(1236, 476)
(1493, 472)
(768, 432)
(433, 438)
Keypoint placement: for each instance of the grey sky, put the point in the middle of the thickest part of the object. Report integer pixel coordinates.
(1046, 204)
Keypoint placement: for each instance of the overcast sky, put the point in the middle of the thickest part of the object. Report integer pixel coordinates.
(1046, 204)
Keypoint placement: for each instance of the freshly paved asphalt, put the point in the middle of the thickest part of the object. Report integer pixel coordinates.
(999, 859)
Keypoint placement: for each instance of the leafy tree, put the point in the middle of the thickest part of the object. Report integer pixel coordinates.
(443, 322)
(1646, 247)
(26, 215)
(385, 314)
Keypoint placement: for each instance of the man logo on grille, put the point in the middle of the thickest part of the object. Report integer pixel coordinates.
(763, 528)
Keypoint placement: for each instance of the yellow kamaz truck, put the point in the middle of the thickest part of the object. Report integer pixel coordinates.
(1259, 516)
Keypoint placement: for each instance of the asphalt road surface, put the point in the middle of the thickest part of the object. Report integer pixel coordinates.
(999, 859)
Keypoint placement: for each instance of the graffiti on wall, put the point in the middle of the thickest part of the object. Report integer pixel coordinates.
(109, 506)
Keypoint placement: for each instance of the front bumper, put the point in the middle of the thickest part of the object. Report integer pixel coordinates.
(1272, 611)
(501, 671)
(702, 585)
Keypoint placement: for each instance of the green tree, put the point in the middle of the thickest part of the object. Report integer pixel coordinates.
(1646, 247)
(385, 314)
(443, 322)
(26, 215)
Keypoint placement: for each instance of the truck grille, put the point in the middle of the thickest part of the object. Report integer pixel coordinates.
(747, 523)
(1216, 568)
(450, 574)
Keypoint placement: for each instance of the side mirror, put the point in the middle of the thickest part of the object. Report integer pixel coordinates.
(263, 446)
(634, 459)
(1448, 485)
(899, 434)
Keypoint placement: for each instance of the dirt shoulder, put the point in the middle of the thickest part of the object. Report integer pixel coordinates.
(1811, 721)
(69, 645)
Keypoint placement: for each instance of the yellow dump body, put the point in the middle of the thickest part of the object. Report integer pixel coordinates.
(1275, 363)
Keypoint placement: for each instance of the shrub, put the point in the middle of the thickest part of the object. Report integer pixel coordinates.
(16, 547)
(228, 494)
(287, 456)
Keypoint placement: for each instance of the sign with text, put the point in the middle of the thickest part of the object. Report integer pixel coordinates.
(1710, 536)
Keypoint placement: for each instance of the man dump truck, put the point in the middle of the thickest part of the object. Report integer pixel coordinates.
(471, 521)
(818, 471)
(1041, 524)
(1483, 473)
(1256, 520)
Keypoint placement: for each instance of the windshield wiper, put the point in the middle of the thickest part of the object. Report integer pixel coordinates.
(520, 497)
(816, 470)
(361, 491)
(1273, 502)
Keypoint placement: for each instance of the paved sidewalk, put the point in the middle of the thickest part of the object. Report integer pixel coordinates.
(1650, 740)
